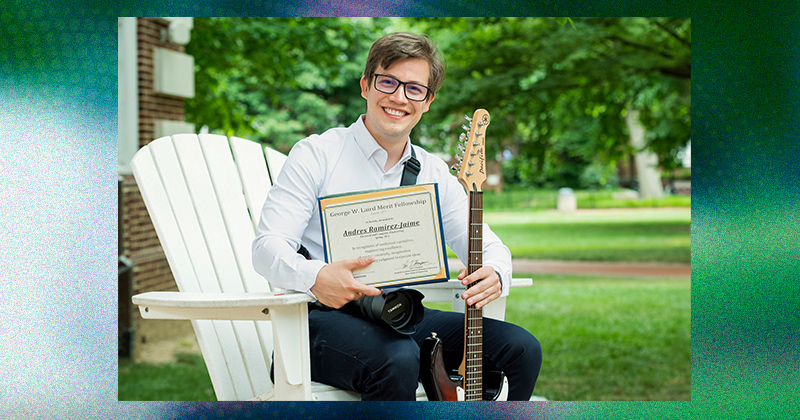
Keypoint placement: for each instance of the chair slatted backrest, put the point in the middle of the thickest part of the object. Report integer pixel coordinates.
(198, 190)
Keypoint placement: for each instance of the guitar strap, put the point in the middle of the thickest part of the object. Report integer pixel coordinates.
(410, 171)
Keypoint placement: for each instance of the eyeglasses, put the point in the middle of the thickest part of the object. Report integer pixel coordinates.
(388, 84)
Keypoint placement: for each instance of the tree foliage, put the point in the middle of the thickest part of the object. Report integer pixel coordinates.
(278, 80)
(558, 89)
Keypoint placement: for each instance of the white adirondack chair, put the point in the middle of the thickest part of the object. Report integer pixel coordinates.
(204, 195)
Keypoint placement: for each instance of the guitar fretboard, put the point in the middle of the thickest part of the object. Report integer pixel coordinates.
(473, 375)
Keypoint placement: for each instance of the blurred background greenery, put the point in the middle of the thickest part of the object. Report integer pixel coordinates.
(560, 91)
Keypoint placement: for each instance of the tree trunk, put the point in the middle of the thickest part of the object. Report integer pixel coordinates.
(647, 172)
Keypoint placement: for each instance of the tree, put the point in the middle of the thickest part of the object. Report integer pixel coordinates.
(277, 80)
(563, 91)
(558, 90)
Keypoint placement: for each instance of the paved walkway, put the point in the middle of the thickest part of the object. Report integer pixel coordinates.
(593, 268)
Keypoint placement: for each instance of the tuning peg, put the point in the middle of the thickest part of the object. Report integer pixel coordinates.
(470, 163)
(461, 147)
(468, 118)
(458, 158)
(462, 137)
(464, 127)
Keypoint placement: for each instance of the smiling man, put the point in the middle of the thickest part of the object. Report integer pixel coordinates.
(402, 75)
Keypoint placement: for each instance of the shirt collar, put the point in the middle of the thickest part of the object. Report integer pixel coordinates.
(367, 143)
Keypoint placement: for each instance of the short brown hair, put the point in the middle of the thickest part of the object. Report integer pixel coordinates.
(401, 45)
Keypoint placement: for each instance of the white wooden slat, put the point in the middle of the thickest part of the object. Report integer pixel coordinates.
(256, 355)
(252, 167)
(275, 161)
(164, 220)
(209, 215)
(244, 352)
(253, 171)
(158, 206)
(256, 344)
(230, 193)
(211, 348)
(178, 193)
(175, 182)
(234, 359)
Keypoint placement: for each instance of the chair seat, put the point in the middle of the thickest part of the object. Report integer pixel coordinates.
(322, 392)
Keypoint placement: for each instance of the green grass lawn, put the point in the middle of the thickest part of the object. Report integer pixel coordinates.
(602, 338)
(527, 199)
(185, 380)
(640, 235)
(607, 338)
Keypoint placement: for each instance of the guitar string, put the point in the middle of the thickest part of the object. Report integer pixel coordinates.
(473, 382)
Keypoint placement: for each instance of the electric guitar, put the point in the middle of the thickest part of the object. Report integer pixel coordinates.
(467, 383)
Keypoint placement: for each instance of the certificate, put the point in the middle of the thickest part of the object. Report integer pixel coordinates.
(399, 227)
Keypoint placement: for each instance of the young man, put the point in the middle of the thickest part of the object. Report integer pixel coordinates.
(401, 78)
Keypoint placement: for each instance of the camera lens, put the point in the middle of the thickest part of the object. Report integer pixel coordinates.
(398, 308)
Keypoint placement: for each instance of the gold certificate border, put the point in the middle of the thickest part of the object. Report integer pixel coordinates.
(340, 201)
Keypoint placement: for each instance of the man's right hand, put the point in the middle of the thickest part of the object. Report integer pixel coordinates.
(335, 285)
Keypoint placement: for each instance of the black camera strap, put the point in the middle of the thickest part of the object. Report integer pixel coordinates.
(411, 169)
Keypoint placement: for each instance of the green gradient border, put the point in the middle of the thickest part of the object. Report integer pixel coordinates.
(744, 218)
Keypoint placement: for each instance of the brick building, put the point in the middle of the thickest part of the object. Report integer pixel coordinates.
(155, 77)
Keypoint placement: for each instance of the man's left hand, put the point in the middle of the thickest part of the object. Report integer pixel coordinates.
(487, 289)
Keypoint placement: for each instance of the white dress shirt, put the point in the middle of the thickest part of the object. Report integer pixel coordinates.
(343, 160)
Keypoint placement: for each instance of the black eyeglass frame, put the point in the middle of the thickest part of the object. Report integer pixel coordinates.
(405, 85)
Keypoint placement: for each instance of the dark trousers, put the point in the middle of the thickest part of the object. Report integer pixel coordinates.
(359, 355)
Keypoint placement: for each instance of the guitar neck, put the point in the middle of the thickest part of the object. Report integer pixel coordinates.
(473, 328)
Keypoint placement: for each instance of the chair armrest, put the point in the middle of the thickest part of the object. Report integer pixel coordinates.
(222, 306)
(441, 291)
(451, 290)
(444, 291)
(522, 282)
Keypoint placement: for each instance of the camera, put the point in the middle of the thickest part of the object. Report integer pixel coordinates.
(396, 308)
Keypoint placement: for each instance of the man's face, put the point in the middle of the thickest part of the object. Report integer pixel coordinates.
(390, 117)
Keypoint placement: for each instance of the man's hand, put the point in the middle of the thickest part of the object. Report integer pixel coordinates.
(487, 290)
(335, 285)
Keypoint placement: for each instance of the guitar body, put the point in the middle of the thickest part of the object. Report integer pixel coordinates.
(468, 383)
(443, 386)
(438, 384)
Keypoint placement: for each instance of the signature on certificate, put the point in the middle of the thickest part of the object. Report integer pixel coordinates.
(415, 264)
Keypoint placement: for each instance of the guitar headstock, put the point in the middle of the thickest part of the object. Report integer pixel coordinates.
(471, 163)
